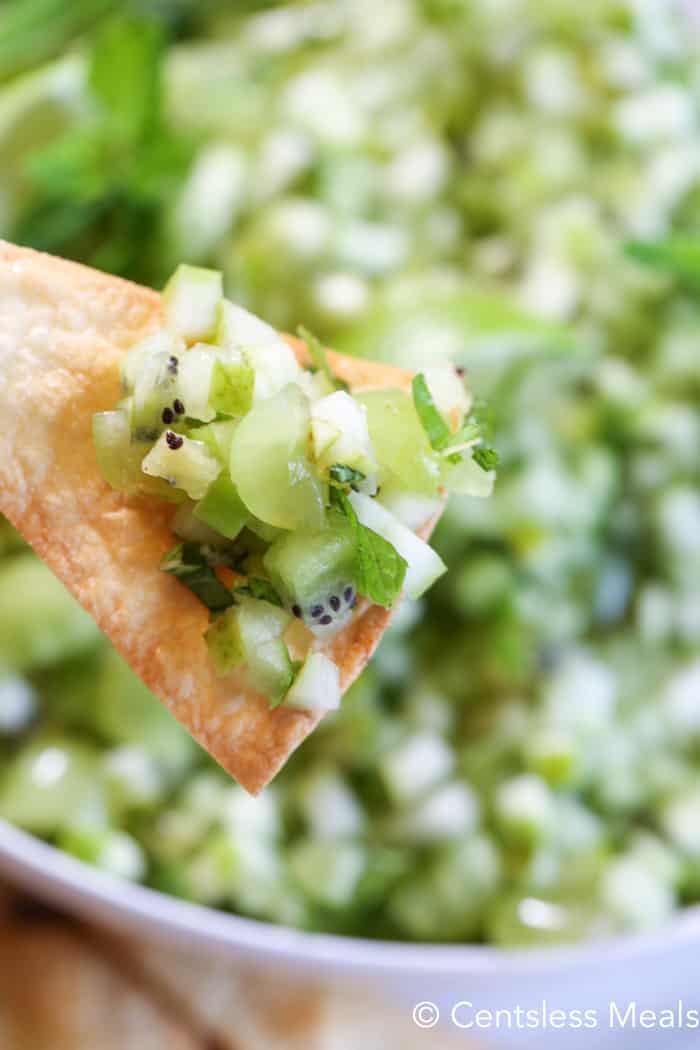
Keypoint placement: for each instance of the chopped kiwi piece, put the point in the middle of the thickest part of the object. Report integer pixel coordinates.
(194, 382)
(183, 463)
(155, 392)
(315, 574)
(250, 633)
(119, 456)
(135, 359)
(231, 389)
(191, 299)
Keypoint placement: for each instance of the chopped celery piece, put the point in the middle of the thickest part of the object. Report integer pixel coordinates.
(183, 463)
(410, 508)
(185, 524)
(269, 464)
(222, 508)
(191, 299)
(399, 441)
(424, 565)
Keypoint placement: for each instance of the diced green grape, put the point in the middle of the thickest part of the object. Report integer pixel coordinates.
(269, 464)
(400, 444)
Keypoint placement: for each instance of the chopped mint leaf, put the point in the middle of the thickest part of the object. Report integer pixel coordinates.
(486, 458)
(189, 565)
(380, 568)
(318, 356)
(258, 588)
(342, 475)
(433, 423)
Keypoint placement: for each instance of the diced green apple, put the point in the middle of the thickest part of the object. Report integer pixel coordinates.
(191, 299)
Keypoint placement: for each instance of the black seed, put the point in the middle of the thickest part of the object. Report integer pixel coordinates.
(173, 441)
(179, 407)
(296, 610)
(460, 371)
(334, 602)
(316, 610)
(167, 416)
(348, 594)
(325, 620)
(172, 365)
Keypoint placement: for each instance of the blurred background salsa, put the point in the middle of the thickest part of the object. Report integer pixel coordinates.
(521, 762)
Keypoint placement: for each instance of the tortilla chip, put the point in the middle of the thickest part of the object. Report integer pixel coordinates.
(63, 330)
(249, 1006)
(58, 993)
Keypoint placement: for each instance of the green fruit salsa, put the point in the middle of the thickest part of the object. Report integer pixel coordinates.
(279, 473)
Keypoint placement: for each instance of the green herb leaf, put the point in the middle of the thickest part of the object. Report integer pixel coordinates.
(436, 428)
(678, 256)
(124, 73)
(189, 565)
(380, 568)
(260, 589)
(319, 357)
(486, 458)
(341, 474)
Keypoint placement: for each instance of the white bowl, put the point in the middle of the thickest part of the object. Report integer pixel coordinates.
(655, 970)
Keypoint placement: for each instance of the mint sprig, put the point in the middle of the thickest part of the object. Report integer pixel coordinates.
(433, 423)
(486, 458)
(380, 568)
(342, 475)
(188, 564)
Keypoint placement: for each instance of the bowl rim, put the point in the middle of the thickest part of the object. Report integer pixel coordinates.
(47, 868)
